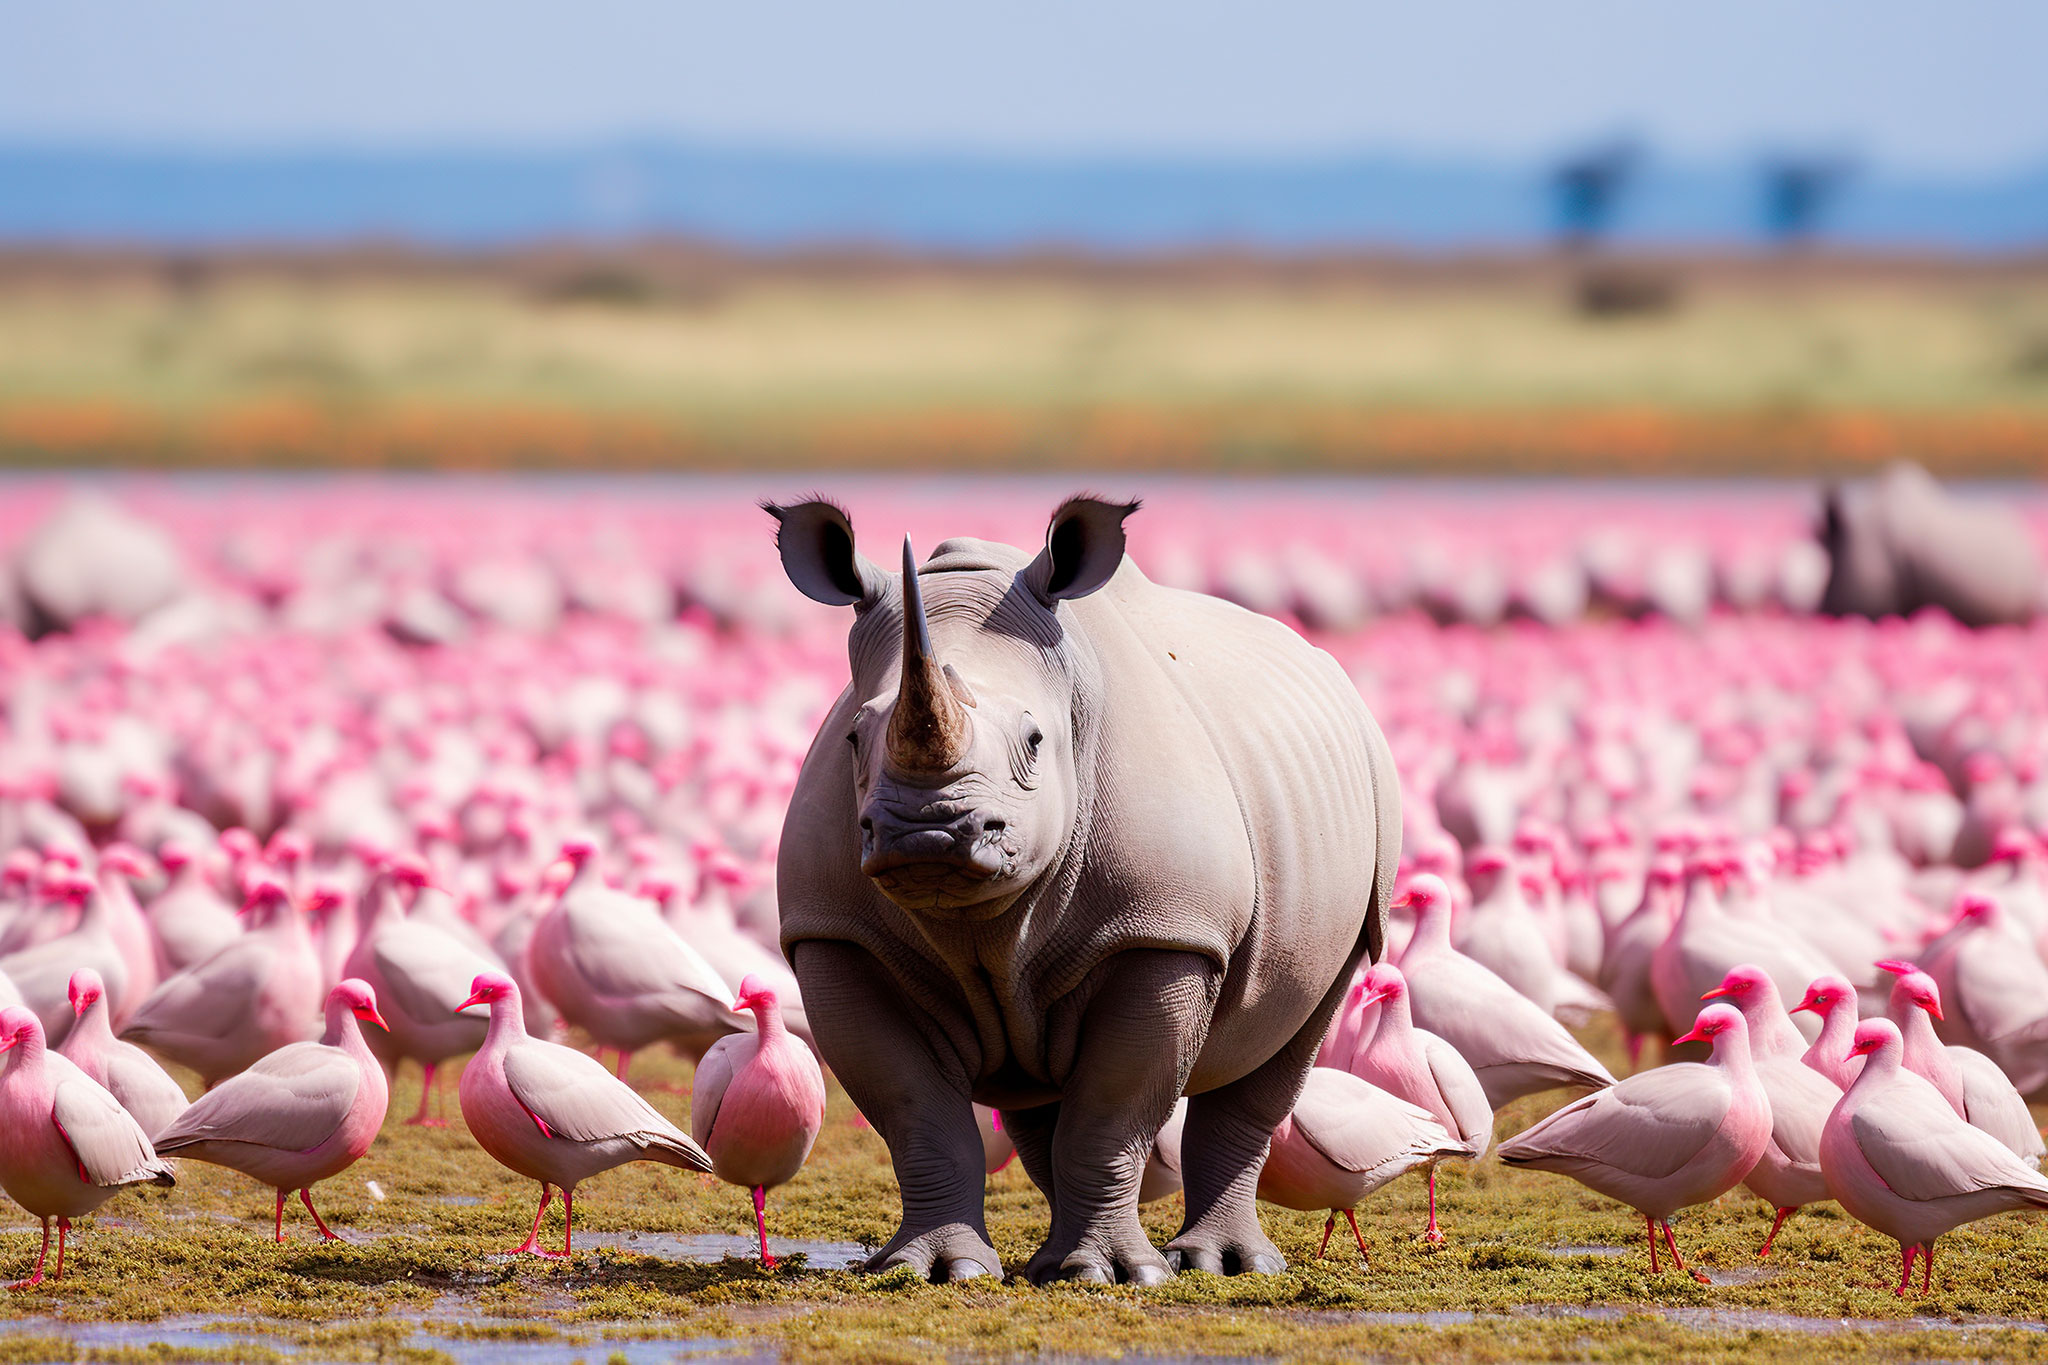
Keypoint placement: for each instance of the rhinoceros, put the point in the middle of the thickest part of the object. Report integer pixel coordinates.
(1898, 542)
(1073, 844)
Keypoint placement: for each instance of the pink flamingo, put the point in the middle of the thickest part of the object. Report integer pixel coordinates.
(1899, 1159)
(251, 998)
(299, 1115)
(1971, 1082)
(1665, 1139)
(1415, 1065)
(1514, 1047)
(1787, 1176)
(1345, 1139)
(554, 1115)
(1833, 999)
(66, 1145)
(130, 1075)
(757, 1103)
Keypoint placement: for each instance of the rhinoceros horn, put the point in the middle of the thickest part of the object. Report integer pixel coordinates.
(929, 729)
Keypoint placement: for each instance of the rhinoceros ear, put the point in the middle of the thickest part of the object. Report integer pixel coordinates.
(816, 542)
(1083, 547)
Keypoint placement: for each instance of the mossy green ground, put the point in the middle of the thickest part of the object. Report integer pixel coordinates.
(1518, 1245)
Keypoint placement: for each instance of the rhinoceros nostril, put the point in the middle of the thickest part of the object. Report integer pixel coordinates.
(995, 824)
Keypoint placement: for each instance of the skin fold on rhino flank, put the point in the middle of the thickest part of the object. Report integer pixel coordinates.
(1072, 844)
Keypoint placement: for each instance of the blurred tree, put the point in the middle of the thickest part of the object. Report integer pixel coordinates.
(1798, 191)
(1587, 188)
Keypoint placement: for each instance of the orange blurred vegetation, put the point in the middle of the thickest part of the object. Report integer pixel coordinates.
(297, 433)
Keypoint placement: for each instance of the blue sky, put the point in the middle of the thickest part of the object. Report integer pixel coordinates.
(1948, 89)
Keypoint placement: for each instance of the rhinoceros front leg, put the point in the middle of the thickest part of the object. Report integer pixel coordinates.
(1136, 1041)
(913, 1087)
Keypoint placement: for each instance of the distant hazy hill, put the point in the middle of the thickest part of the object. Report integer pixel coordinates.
(779, 199)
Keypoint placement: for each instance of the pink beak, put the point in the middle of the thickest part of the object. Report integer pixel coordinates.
(1804, 1005)
(477, 999)
(1717, 993)
(370, 1014)
(1694, 1037)
(1930, 1007)
(1373, 997)
(79, 1005)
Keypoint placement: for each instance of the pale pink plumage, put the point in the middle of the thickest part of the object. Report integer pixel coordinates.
(757, 1103)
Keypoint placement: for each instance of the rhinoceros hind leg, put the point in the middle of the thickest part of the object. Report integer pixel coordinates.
(1031, 1133)
(914, 1090)
(1144, 1022)
(1223, 1147)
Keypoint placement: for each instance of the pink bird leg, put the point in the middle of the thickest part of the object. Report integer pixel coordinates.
(531, 1246)
(761, 1224)
(421, 1118)
(1671, 1242)
(1772, 1236)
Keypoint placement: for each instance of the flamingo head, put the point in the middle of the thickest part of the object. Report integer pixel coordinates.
(85, 990)
(1714, 1021)
(361, 1001)
(1742, 984)
(755, 994)
(1873, 1035)
(488, 989)
(1382, 981)
(1824, 994)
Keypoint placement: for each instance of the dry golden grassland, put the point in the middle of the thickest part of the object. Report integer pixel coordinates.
(666, 364)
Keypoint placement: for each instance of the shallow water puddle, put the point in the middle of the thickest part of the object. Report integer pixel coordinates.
(1763, 1319)
(214, 1334)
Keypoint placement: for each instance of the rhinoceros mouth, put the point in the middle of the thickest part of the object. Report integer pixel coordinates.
(929, 856)
(936, 867)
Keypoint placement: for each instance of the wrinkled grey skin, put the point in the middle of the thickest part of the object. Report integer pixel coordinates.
(1898, 542)
(1164, 831)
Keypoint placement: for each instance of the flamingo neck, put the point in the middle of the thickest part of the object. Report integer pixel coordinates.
(508, 1022)
(93, 1028)
(768, 1021)
(1837, 1030)
(1879, 1067)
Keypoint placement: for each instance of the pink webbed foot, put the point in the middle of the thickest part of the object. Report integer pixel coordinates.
(306, 1198)
(1906, 1255)
(531, 1246)
(37, 1278)
(1671, 1244)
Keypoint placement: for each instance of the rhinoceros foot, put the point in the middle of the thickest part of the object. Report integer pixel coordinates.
(950, 1252)
(1237, 1247)
(1105, 1256)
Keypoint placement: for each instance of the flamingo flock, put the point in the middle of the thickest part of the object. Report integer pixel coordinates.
(363, 781)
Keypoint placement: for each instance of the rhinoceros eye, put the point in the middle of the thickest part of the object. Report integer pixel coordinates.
(1024, 757)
